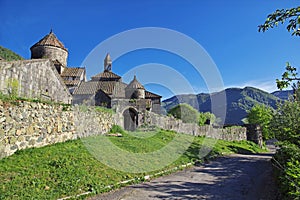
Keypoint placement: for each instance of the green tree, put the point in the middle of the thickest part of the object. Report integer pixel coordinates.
(206, 117)
(286, 122)
(280, 16)
(185, 112)
(188, 114)
(262, 115)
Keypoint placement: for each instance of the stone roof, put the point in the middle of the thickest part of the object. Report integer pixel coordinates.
(151, 95)
(135, 84)
(70, 83)
(89, 87)
(73, 72)
(50, 40)
(106, 75)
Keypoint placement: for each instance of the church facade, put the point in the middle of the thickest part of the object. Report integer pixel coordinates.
(107, 89)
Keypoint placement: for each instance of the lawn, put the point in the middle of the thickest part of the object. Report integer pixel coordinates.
(93, 163)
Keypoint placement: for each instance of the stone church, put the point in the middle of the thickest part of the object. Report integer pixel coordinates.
(47, 76)
(107, 89)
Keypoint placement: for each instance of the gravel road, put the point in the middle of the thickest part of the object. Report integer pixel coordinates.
(233, 177)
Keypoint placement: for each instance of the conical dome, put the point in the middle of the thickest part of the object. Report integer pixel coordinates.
(50, 40)
(50, 47)
(135, 84)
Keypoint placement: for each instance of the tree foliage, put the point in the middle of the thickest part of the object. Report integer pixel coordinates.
(280, 16)
(290, 78)
(286, 122)
(262, 115)
(185, 112)
(188, 114)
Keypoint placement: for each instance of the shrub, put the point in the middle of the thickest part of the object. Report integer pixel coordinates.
(287, 162)
(186, 113)
(262, 115)
(116, 129)
(285, 123)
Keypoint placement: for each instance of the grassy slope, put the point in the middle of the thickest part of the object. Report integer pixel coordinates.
(65, 169)
(9, 55)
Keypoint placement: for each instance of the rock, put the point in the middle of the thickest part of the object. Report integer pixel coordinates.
(12, 140)
(2, 119)
(49, 129)
(12, 132)
(21, 138)
(30, 130)
(18, 132)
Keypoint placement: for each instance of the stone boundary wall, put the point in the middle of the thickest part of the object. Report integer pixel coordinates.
(30, 124)
(169, 123)
(37, 78)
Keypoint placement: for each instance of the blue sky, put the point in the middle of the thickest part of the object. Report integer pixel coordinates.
(226, 29)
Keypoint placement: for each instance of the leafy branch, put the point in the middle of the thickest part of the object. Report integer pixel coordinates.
(280, 16)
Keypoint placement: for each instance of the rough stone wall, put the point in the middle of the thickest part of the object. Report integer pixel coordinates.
(254, 134)
(31, 124)
(50, 52)
(170, 123)
(36, 79)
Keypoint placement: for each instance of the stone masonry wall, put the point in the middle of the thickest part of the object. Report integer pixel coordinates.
(169, 123)
(31, 124)
(36, 78)
(28, 124)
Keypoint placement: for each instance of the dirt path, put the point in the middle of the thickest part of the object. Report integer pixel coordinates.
(233, 177)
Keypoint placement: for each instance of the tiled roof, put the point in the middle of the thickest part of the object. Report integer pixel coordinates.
(135, 84)
(89, 87)
(74, 72)
(151, 95)
(72, 82)
(106, 75)
(50, 40)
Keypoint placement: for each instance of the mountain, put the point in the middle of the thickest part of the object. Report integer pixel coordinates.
(283, 94)
(238, 102)
(6, 54)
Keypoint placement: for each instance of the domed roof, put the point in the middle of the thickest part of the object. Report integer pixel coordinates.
(135, 84)
(50, 40)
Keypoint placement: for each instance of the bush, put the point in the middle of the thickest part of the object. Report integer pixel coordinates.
(287, 162)
(186, 113)
(285, 123)
(116, 129)
(262, 115)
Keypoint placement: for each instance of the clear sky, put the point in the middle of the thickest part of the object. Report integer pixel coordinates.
(226, 29)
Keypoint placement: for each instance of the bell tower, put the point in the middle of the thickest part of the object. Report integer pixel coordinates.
(107, 63)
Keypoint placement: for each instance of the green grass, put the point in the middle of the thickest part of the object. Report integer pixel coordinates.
(68, 168)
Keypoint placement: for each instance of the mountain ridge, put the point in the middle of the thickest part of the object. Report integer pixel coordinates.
(238, 101)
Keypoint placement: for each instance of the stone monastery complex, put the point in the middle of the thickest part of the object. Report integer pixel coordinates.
(47, 76)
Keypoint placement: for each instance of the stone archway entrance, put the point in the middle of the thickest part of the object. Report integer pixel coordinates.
(130, 119)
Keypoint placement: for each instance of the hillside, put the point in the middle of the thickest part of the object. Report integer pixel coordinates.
(238, 102)
(8, 55)
(284, 94)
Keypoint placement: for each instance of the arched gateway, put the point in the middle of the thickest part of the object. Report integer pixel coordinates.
(130, 119)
